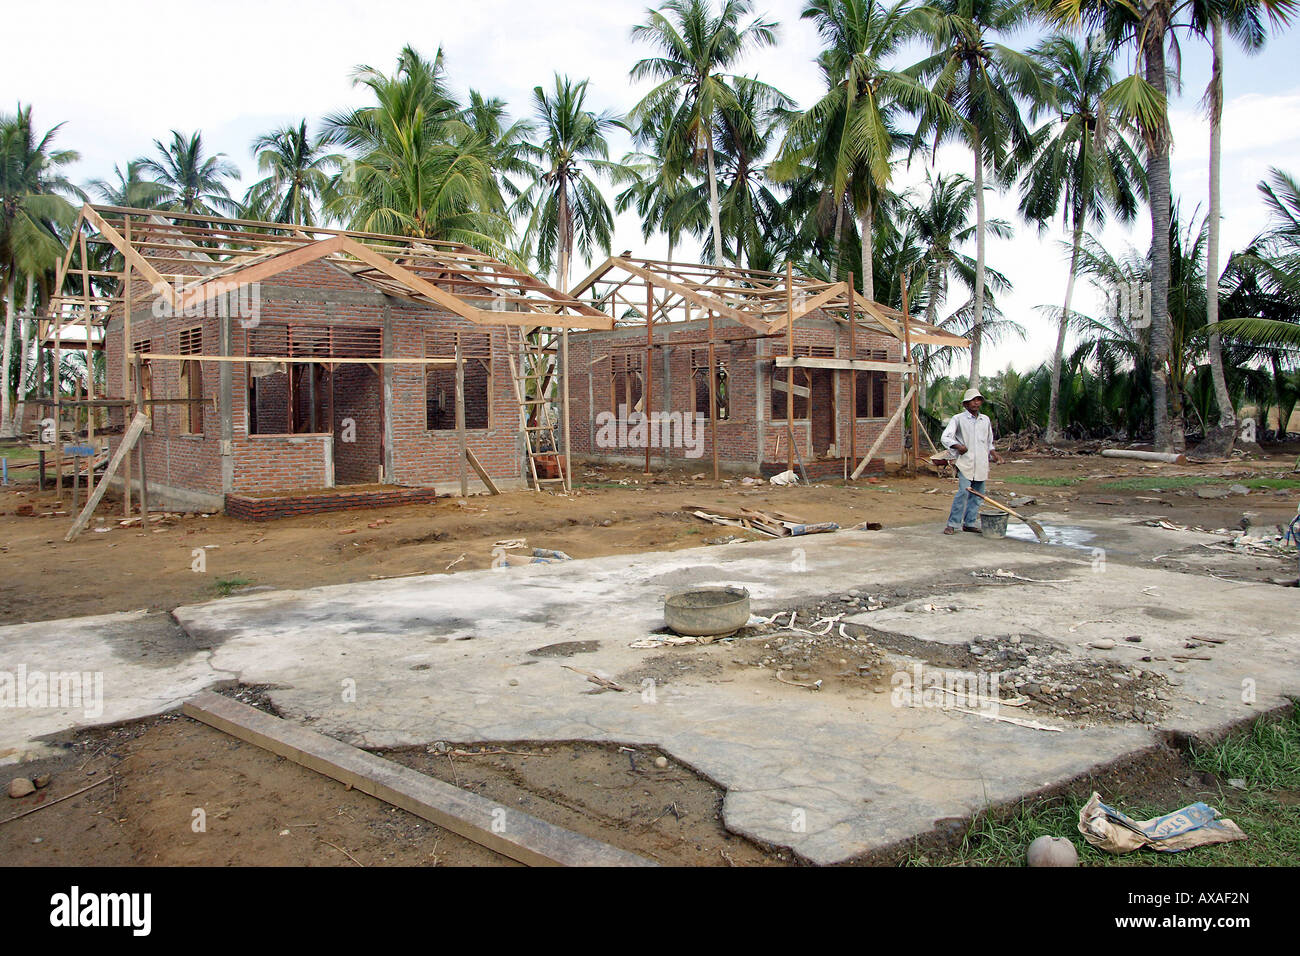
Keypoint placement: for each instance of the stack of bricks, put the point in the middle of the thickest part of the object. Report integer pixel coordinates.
(251, 508)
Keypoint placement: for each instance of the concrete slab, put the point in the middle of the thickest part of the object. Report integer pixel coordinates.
(471, 657)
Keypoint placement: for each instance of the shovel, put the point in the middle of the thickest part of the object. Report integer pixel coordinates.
(1034, 526)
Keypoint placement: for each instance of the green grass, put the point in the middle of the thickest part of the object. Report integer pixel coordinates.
(227, 586)
(1031, 480)
(18, 455)
(1266, 756)
(1154, 483)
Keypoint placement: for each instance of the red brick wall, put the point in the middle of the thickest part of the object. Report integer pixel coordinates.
(750, 388)
(267, 462)
(422, 456)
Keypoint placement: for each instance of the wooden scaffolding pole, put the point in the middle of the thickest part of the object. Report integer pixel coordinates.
(907, 355)
(789, 373)
(648, 377)
(460, 418)
(853, 379)
(713, 399)
(564, 409)
(127, 303)
(90, 364)
(139, 445)
(58, 410)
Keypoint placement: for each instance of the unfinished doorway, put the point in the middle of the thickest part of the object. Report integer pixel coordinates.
(357, 424)
(821, 385)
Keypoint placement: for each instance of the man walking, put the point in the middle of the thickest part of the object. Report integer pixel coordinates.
(970, 436)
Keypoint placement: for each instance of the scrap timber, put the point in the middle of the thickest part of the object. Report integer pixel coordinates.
(512, 833)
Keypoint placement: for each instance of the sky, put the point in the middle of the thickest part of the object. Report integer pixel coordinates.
(128, 73)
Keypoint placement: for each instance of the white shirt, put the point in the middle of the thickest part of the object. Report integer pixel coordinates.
(976, 433)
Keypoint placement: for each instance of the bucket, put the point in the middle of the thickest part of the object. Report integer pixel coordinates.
(994, 523)
(707, 611)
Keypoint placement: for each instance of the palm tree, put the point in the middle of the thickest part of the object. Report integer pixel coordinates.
(191, 181)
(565, 205)
(509, 145)
(696, 48)
(1083, 165)
(850, 132)
(417, 167)
(1267, 274)
(32, 209)
(980, 80)
(1117, 339)
(657, 182)
(942, 222)
(130, 188)
(1143, 97)
(297, 180)
(749, 210)
(1245, 20)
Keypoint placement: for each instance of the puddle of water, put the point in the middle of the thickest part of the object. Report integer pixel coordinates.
(1065, 535)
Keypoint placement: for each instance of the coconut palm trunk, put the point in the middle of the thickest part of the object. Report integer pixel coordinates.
(977, 313)
(24, 345)
(1158, 186)
(6, 423)
(1227, 415)
(715, 207)
(865, 221)
(1054, 401)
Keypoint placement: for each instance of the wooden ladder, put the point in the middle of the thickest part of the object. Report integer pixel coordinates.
(531, 373)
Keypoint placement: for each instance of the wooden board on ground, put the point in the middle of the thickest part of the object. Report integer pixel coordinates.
(507, 831)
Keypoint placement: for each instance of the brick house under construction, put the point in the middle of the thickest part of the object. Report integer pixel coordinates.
(275, 359)
(786, 362)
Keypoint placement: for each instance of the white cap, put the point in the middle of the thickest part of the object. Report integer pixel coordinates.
(971, 393)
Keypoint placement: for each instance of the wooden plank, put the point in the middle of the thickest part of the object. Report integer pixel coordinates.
(156, 281)
(789, 430)
(273, 265)
(128, 442)
(816, 302)
(462, 308)
(482, 473)
(507, 831)
(799, 390)
(880, 440)
(308, 360)
(861, 365)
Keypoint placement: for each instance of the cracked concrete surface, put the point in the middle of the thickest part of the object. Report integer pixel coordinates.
(447, 657)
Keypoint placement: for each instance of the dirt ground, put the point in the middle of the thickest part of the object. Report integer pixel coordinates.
(259, 809)
(611, 511)
(174, 792)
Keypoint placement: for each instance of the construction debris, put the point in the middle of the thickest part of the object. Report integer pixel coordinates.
(774, 524)
(1196, 825)
(601, 682)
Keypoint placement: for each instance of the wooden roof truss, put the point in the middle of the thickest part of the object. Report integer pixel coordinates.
(189, 260)
(623, 286)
